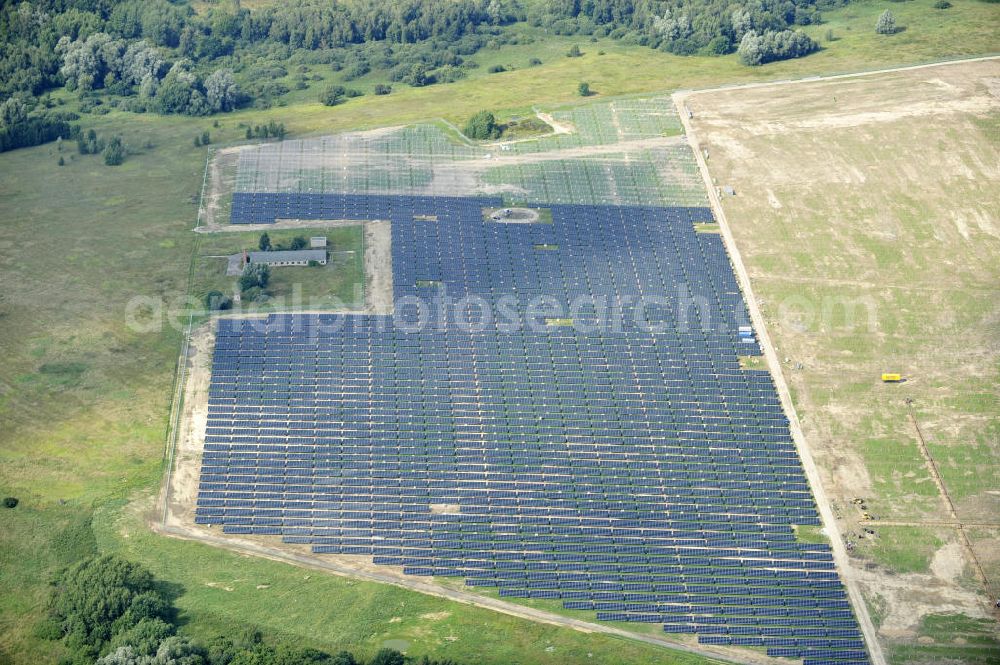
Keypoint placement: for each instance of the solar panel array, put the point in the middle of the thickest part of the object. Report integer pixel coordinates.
(624, 465)
(654, 166)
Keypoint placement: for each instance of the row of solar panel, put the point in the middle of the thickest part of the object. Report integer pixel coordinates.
(699, 261)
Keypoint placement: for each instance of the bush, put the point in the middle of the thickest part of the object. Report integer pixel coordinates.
(482, 126)
(886, 24)
(418, 76)
(574, 52)
(114, 153)
(298, 242)
(496, 69)
(942, 4)
(10, 502)
(583, 89)
(256, 275)
(388, 657)
(534, 62)
(382, 89)
(337, 94)
(217, 301)
(333, 95)
(106, 605)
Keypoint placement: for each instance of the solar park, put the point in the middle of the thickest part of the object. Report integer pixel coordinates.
(613, 456)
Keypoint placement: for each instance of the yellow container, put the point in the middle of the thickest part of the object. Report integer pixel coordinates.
(892, 378)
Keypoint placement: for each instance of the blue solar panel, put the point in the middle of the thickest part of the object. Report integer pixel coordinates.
(627, 466)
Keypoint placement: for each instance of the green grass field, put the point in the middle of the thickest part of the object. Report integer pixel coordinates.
(84, 394)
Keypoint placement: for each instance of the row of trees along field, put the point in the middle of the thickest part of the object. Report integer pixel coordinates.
(109, 611)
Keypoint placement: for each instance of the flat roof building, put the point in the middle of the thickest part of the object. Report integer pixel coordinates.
(299, 257)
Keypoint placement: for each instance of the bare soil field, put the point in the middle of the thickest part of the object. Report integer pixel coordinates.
(866, 213)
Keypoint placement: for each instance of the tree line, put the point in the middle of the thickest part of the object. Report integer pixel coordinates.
(109, 611)
(136, 46)
(163, 57)
(687, 27)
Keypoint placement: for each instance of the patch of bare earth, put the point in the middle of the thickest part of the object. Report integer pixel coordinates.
(879, 193)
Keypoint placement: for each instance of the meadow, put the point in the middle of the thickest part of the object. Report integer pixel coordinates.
(85, 391)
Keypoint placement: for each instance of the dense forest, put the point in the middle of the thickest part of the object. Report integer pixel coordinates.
(161, 56)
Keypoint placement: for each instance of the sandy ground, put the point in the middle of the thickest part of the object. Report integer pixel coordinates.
(879, 188)
(378, 268)
(558, 127)
(910, 597)
(221, 178)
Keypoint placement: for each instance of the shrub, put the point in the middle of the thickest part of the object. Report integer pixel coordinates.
(534, 62)
(942, 4)
(886, 24)
(482, 126)
(388, 657)
(114, 153)
(216, 301)
(333, 95)
(256, 275)
(574, 52)
(418, 76)
(496, 69)
(382, 89)
(10, 502)
(583, 89)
